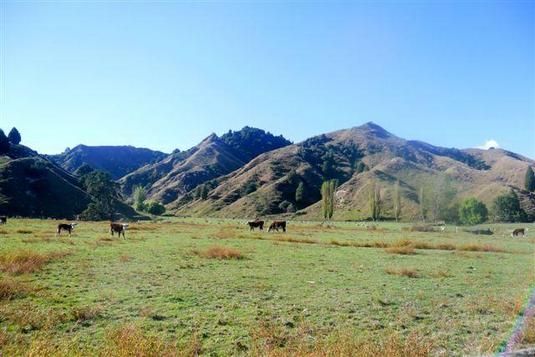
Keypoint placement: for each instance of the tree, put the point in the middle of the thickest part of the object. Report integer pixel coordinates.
(529, 182)
(423, 205)
(300, 193)
(204, 192)
(441, 196)
(14, 136)
(4, 143)
(375, 202)
(506, 208)
(83, 170)
(327, 198)
(472, 212)
(103, 192)
(397, 202)
(155, 208)
(140, 195)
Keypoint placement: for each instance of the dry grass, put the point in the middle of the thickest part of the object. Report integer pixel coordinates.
(84, 313)
(225, 233)
(26, 261)
(3, 231)
(291, 239)
(220, 252)
(441, 274)
(528, 332)
(480, 248)
(271, 341)
(125, 258)
(11, 289)
(408, 272)
(24, 231)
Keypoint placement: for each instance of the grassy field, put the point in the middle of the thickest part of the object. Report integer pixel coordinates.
(188, 286)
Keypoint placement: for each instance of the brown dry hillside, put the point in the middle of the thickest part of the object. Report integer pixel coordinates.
(360, 158)
(179, 173)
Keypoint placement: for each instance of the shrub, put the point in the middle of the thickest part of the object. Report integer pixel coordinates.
(506, 208)
(473, 212)
(408, 272)
(155, 208)
(11, 289)
(26, 261)
(4, 143)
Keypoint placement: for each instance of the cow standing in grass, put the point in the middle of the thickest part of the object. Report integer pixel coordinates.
(118, 228)
(517, 232)
(276, 225)
(3, 219)
(256, 224)
(67, 227)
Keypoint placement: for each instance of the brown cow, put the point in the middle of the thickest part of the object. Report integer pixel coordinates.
(68, 227)
(256, 224)
(276, 225)
(3, 219)
(518, 232)
(118, 228)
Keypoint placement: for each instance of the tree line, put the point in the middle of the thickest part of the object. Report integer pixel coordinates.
(437, 203)
(13, 138)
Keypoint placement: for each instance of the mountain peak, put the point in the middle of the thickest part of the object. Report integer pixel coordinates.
(374, 129)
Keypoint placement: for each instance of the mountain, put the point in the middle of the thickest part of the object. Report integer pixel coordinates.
(118, 161)
(359, 158)
(170, 179)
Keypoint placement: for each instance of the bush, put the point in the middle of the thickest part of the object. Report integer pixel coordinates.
(4, 143)
(506, 208)
(155, 208)
(473, 212)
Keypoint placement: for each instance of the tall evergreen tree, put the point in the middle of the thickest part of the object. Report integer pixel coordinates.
(300, 193)
(529, 183)
(422, 203)
(14, 136)
(375, 202)
(4, 142)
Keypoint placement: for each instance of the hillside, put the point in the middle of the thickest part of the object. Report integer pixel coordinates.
(359, 158)
(33, 186)
(179, 173)
(118, 161)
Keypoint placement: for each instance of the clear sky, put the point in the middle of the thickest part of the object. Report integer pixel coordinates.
(166, 74)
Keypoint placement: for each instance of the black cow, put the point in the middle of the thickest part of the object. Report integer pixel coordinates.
(276, 225)
(67, 227)
(518, 232)
(3, 219)
(256, 224)
(118, 228)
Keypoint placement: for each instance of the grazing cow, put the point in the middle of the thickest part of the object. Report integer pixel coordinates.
(276, 225)
(68, 227)
(256, 224)
(3, 219)
(518, 232)
(118, 228)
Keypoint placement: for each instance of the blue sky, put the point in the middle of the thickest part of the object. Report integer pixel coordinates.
(164, 75)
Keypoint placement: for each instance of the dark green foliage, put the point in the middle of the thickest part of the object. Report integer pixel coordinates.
(506, 208)
(83, 170)
(472, 212)
(529, 183)
(14, 136)
(103, 192)
(251, 142)
(361, 167)
(287, 207)
(4, 143)
(250, 188)
(328, 167)
(155, 208)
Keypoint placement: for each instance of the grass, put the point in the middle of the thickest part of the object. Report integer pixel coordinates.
(26, 261)
(313, 291)
(220, 252)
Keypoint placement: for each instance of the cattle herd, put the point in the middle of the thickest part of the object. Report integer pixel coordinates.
(274, 226)
(120, 228)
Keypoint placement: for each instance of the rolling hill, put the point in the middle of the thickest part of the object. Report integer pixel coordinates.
(118, 161)
(179, 173)
(359, 158)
